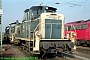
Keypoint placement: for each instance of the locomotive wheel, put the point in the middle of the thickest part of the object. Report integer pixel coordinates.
(42, 54)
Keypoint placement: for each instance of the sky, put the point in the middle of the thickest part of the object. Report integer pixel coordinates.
(73, 10)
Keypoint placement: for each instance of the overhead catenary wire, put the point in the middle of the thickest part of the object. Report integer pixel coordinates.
(85, 11)
(73, 4)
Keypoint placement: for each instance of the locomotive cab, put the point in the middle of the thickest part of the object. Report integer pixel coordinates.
(7, 30)
(47, 29)
(12, 31)
(6, 35)
(35, 11)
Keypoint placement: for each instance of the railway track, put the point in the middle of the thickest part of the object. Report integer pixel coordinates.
(46, 58)
(20, 48)
(67, 56)
(85, 50)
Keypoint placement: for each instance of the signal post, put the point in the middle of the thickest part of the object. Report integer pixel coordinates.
(0, 24)
(1, 50)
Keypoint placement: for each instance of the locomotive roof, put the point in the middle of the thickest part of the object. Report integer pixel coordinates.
(13, 23)
(38, 7)
(7, 26)
(75, 22)
(26, 10)
(78, 22)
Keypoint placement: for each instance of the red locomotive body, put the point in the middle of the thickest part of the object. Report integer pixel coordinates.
(82, 30)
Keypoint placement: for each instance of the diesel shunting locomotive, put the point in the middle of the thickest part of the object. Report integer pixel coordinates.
(41, 31)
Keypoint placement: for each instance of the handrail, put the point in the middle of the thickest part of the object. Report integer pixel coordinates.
(34, 32)
(44, 23)
(36, 27)
(51, 32)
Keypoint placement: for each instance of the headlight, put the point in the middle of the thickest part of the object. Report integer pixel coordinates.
(45, 45)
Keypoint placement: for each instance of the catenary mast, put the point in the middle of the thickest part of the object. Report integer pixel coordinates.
(0, 24)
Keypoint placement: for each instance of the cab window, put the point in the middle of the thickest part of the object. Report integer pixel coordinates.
(78, 27)
(73, 28)
(84, 26)
(69, 28)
